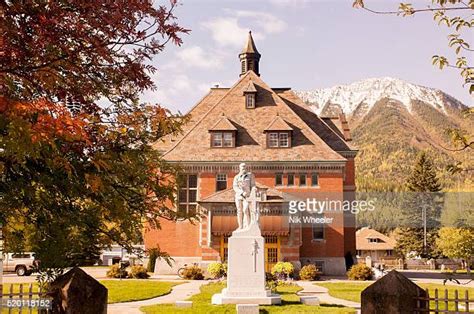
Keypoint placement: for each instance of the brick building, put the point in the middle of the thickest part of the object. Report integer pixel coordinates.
(292, 153)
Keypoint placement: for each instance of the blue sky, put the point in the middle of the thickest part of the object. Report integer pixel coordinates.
(305, 44)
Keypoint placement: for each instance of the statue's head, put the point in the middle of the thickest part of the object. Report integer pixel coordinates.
(242, 167)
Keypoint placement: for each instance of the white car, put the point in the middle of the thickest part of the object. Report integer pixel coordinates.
(20, 263)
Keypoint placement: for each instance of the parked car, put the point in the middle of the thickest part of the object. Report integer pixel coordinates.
(20, 263)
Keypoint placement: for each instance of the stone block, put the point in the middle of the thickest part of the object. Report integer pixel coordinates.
(309, 300)
(392, 294)
(247, 308)
(184, 304)
(77, 292)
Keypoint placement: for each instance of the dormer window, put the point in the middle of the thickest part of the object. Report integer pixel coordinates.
(223, 133)
(278, 133)
(250, 101)
(222, 139)
(278, 139)
(250, 94)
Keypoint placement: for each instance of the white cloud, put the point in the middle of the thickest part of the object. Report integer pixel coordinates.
(195, 56)
(290, 3)
(268, 22)
(228, 31)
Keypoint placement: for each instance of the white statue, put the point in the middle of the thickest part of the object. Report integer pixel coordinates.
(245, 198)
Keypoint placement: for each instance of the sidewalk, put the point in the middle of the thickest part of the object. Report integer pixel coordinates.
(179, 293)
(322, 293)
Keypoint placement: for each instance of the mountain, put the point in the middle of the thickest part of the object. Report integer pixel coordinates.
(391, 121)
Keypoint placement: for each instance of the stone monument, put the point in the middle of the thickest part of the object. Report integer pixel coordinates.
(246, 261)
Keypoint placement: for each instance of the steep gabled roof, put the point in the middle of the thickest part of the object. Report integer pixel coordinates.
(278, 124)
(362, 240)
(223, 124)
(194, 146)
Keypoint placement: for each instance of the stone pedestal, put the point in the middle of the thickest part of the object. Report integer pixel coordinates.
(246, 270)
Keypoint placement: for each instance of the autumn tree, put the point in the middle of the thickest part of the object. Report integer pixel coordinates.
(73, 180)
(82, 49)
(457, 243)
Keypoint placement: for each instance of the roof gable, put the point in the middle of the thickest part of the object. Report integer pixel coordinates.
(278, 124)
(223, 124)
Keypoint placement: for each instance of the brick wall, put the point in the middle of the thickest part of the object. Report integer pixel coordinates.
(184, 239)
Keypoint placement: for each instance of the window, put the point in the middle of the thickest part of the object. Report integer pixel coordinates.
(278, 179)
(302, 180)
(222, 139)
(314, 179)
(318, 231)
(291, 179)
(221, 181)
(283, 139)
(374, 240)
(187, 198)
(278, 139)
(388, 252)
(272, 139)
(250, 100)
(359, 253)
(216, 139)
(228, 139)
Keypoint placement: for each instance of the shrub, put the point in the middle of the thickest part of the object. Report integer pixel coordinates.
(282, 270)
(360, 272)
(116, 272)
(270, 281)
(193, 272)
(310, 272)
(217, 270)
(138, 272)
(153, 255)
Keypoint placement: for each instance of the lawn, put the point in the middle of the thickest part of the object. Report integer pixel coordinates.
(351, 290)
(136, 289)
(202, 303)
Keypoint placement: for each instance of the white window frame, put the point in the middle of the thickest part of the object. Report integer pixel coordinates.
(187, 203)
(216, 139)
(283, 139)
(227, 139)
(273, 140)
(250, 100)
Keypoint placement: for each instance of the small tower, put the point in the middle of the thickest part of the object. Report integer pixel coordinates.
(249, 58)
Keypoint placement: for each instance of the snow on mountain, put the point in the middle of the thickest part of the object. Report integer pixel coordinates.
(369, 91)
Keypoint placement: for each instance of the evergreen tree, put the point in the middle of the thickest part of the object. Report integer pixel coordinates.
(421, 200)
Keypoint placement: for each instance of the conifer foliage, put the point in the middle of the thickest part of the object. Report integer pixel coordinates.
(421, 208)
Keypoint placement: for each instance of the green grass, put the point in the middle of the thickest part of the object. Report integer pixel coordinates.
(345, 290)
(16, 288)
(118, 290)
(202, 303)
(136, 289)
(351, 290)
